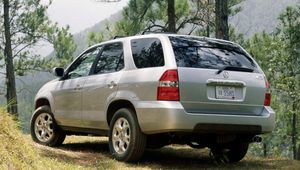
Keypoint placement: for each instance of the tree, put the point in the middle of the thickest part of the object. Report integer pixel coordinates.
(267, 49)
(159, 16)
(11, 93)
(63, 44)
(278, 54)
(289, 79)
(25, 24)
(222, 13)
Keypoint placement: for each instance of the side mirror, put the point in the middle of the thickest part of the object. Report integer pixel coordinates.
(58, 71)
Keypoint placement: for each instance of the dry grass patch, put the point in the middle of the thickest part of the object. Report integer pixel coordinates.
(18, 152)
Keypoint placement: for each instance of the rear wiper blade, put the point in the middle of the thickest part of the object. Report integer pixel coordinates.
(234, 69)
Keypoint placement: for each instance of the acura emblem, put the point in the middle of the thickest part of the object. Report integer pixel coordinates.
(225, 74)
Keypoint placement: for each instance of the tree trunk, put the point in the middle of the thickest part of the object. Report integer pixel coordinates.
(298, 153)
(208, 20)
(222, 12)
(294, 135)
(171, 16)
(265, 149)
(11, 94)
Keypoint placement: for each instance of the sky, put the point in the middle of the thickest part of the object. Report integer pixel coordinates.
(81, 14)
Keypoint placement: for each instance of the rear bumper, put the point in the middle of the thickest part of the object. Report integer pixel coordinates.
(166, 116)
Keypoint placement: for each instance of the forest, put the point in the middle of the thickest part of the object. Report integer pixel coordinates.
(25, 24)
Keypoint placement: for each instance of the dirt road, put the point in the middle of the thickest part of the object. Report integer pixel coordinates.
(93, 153)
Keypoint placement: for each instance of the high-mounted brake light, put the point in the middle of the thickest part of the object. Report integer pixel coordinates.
(268, 94)
(168, 88)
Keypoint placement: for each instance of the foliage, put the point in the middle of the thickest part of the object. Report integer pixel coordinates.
(63, 44)
(28, 22)
(233, 6)
(288, 83)
(94, 38)
(278, 54)
(29, 26)
(192, 17)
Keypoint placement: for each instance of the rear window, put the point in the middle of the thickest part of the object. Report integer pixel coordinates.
(147, 52)
(209, 54)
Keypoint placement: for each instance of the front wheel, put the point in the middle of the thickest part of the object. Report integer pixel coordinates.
(232, 153)
(126, 140)
(44, 129)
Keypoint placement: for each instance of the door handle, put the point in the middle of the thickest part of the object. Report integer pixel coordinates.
(77, 87)
(112, 84)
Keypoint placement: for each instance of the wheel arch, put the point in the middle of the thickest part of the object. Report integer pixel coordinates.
(116, 105)
(41, 102)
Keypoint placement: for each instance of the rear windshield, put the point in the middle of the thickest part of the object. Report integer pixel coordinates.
(202, 53)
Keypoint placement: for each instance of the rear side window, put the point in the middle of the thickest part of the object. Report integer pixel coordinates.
(111, 59)
(197, 53)
(147, 52)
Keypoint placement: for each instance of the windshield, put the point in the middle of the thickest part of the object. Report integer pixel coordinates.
(200, 53)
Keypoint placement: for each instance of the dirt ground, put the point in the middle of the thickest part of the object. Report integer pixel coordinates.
(93, 153)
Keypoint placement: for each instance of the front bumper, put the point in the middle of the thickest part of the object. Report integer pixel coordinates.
(168, 116)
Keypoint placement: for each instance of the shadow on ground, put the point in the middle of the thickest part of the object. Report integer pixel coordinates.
(96, 153)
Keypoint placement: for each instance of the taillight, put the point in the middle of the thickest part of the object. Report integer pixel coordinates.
(267, 99)
(168, 88)
(268, 94)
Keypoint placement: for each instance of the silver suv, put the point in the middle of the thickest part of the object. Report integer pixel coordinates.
(152, 90)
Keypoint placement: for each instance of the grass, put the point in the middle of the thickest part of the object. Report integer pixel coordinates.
(17, 151)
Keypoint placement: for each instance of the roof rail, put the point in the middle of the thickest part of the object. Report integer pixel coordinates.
(155, 32)
(118, 36)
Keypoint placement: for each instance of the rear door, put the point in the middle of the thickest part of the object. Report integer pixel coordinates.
(102, 85)
(217, 78)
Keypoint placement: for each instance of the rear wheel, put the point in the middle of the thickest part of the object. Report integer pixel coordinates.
(232, 153)
(126, 141)
(44, 129)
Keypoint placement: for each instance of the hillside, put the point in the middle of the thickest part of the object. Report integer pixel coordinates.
(255, 16)
(18, 152)
(259, 15)
(81, 37)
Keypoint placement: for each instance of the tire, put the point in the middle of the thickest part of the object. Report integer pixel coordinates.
(126, 140)
(44, 129)
(232, 153)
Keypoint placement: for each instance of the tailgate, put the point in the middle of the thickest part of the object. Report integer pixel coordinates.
(230, 92)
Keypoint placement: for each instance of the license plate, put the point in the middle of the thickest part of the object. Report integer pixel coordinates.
(224, 92)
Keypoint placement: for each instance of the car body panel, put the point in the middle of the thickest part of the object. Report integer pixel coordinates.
(98, 90)
(170, 116)
(67, 99)
(198, 91)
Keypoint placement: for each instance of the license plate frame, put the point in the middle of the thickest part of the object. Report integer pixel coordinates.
(225, 92)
